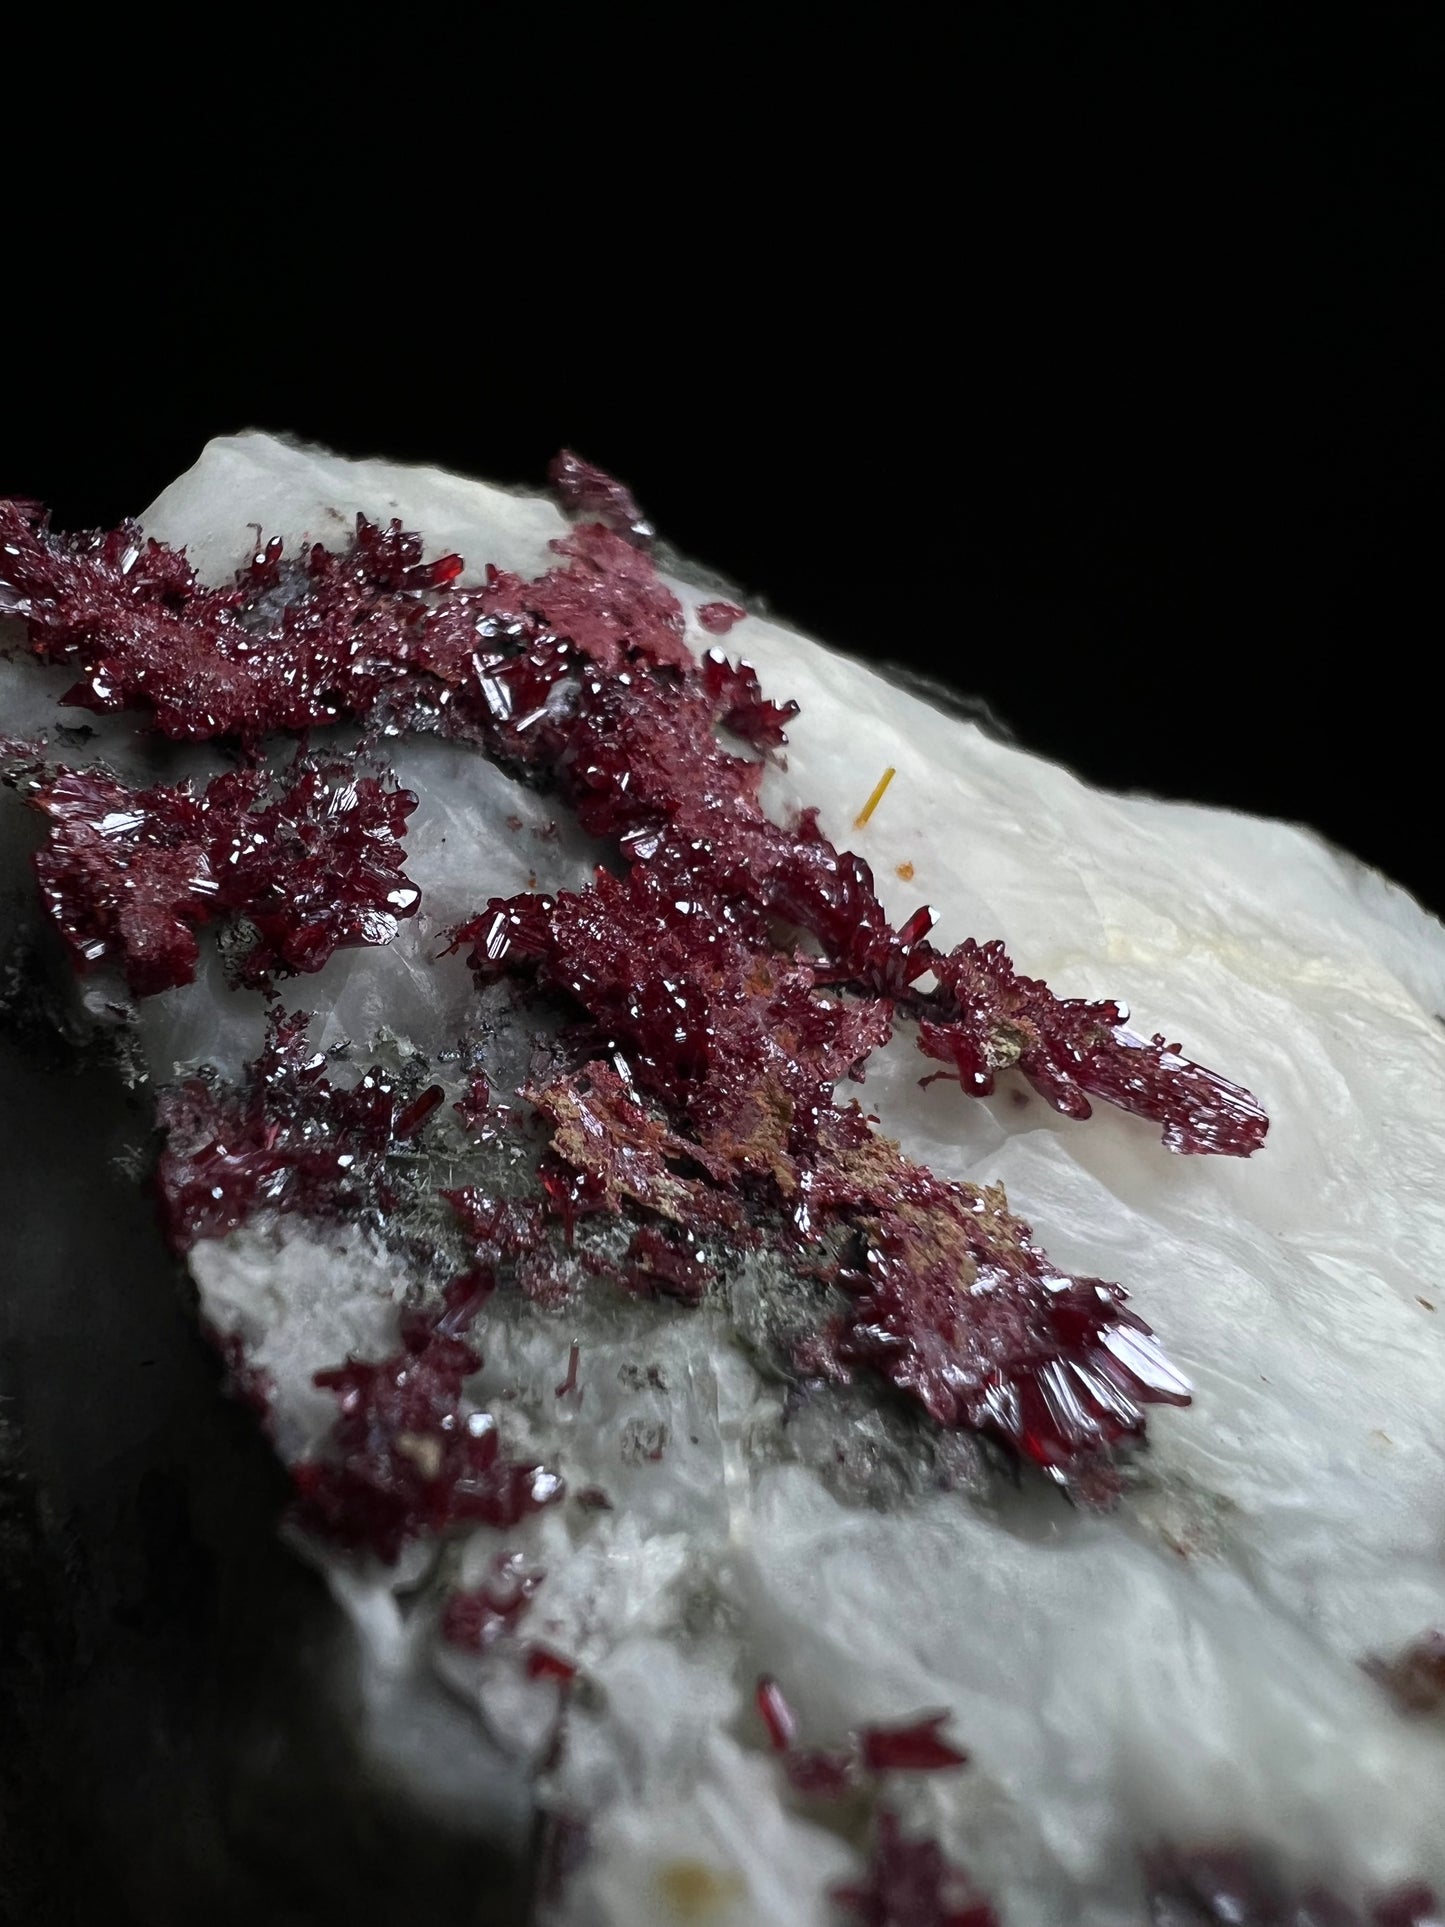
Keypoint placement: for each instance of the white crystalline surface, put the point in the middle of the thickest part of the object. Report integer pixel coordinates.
(1185, 1668)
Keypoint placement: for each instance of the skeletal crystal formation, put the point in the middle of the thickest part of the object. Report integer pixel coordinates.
(649, 1331)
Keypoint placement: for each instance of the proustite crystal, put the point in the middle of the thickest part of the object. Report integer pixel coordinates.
(311, 861)
(409, 1457)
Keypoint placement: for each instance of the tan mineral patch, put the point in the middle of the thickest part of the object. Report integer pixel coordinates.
(696, 1892)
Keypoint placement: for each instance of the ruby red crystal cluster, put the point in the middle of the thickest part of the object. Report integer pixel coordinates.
(583, 678)
(731, 975)
(312, 861)
(1070, 1050)
(908, 1883)
(950, 1300)
(726, 1114)
(410, 1456)
(287, 1138)
(291, 646)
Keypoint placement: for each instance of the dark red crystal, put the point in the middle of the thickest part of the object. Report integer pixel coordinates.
(516, 1235)
(716, 1023)
(543, 1663)
(917, 1747)
(1415, 1678)
(411, 1117)
(718, 617)
(909, 1883)
(776, 1714)
(471, 1107)
(1413, 1905)
(606, 603)
(315, 870)
(568, 1385)
(740, 704)
(1070, 1050)
(584, 489)
(126, 876)
(478, 1616)
(141, 631)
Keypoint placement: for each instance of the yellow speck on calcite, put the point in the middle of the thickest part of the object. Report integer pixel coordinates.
(692, 1891)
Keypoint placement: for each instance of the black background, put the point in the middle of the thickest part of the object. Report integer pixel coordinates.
(1080, 356)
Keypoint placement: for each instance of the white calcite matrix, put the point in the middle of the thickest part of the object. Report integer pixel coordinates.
(1186, 1668)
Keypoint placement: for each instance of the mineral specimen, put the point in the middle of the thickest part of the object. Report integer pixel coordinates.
(619, 1357)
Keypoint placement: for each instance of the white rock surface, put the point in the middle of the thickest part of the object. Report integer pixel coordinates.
(1186, 1668)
